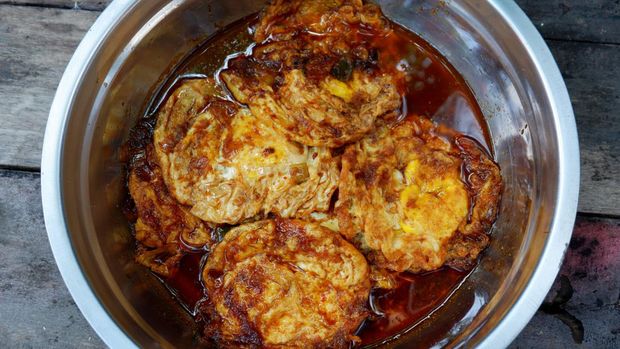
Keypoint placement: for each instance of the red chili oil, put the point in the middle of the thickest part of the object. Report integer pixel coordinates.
(184, 283)
(413, 299)
(433, 89)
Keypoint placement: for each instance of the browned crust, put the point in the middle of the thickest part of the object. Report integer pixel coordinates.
(485, 186)
(300, 46)
(161, 221)
(366, 178)
(279, 251)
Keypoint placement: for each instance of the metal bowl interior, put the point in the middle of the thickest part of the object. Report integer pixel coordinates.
(130, 49)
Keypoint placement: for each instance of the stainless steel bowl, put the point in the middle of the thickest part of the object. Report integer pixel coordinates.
(127, 52)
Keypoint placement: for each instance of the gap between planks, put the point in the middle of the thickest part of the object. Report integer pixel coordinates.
(85, 5)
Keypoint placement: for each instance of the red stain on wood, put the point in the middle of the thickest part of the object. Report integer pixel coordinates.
(586, 294)
(592, 262)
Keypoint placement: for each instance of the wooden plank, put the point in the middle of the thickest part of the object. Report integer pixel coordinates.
(97, 5)
(591, 20)
(29, 78)
(591, 293)
(36, 310)
(593, 81)
(93, 5)
(35, 46)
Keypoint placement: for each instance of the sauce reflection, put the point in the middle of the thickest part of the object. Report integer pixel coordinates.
(415, 297)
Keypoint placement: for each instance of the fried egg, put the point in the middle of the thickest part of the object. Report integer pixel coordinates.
(285, 284)
(325, 113)
(405, 200)
(228, 166)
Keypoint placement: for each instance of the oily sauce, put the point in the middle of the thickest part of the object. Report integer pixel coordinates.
(433, 89)
(414, 298)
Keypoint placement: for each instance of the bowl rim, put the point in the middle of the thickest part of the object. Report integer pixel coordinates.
(561, 230)
(509, 326)
(66, 259)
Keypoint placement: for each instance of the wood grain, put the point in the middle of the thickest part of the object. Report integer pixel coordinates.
(35, 46)
(584, 20)
(593, 80)
(36, 310)
(34, 52)
(93, 5)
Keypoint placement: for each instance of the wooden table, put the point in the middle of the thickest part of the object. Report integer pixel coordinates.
(37, 38)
